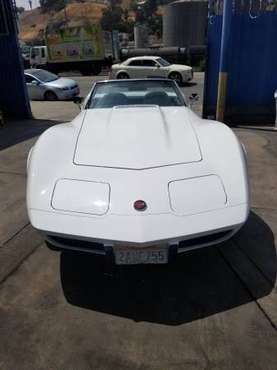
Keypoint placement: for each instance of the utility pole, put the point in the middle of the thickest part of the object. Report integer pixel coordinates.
(223, 64)
(65, 13)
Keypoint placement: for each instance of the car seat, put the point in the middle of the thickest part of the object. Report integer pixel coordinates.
(157, 98)
(112, 100)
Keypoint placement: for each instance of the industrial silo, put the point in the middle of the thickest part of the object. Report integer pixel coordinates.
(141, 36)
(184, 23)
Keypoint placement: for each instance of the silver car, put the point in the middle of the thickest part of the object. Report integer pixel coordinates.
(44, 85)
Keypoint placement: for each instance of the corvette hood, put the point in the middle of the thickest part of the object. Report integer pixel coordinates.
(136, 137)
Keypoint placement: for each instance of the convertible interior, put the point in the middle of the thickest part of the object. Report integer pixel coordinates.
(160, 98)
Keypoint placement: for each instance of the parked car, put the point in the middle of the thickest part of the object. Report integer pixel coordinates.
(143, 67)
(44, 85)
(137, 175)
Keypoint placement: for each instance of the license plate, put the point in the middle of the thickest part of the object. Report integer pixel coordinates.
(147, 255)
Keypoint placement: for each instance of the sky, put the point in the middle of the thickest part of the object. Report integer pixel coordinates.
(25, 3)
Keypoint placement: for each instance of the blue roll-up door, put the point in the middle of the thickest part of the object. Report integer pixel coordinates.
(14, 100)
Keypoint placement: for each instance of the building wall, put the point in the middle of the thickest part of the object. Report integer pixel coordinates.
(252, 61)
(14, 100)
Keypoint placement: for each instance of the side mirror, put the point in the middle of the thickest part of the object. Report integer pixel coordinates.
(194, 97)
(78, 100)
(35, 83)
(158, 66)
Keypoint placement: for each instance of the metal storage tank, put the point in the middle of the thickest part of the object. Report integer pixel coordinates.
(185, 22)
(141, 36)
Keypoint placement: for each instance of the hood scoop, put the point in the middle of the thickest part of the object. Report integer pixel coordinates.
(135, 106)
(139, 137)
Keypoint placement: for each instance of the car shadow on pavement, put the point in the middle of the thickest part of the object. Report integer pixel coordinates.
(188, 84)
(14, 132)
(198, 284)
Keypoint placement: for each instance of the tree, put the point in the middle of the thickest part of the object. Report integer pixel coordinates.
(48, 5)
(156, 25)
(112, 18)
(146, 12)
(115, 18)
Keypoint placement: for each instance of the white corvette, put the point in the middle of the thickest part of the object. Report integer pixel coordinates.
(147, 67)
(137, 175)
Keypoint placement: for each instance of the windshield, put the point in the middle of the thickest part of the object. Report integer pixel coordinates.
(136, 92)
(163, 62)
(44, 76)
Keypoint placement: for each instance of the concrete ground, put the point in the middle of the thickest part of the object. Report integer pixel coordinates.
(214, 308)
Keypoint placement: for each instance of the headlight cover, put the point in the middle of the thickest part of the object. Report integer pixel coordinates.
(81, 196)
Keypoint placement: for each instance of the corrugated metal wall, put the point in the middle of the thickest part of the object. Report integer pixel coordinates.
(252, 61)
(14, 100)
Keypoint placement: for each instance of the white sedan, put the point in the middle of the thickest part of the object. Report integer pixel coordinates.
(44, 85)
(137, 176)
(145, 67)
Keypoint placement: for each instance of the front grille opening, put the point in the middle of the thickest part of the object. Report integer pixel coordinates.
(76, 243)
(69, 243)
(206, 239)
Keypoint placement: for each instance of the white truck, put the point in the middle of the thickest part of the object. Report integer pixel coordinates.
(85, 48)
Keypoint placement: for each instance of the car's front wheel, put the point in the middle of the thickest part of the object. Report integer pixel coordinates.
(50, 96)
(122, 76)
(176, 76)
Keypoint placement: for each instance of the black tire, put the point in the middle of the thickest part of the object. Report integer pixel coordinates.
(177, 77)
(122, 76)
(86, 72)
(50, 96)
(96, 70)
(52, 247)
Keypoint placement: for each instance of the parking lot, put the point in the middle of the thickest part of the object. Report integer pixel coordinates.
(214, 308)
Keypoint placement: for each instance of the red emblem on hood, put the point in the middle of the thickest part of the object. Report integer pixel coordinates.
(140, 205)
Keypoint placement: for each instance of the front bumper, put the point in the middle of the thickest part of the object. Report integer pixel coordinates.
(68, 94)
(187, 75)
(141, 230)
(63, 242)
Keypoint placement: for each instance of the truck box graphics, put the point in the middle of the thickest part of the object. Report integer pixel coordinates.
(81, 43)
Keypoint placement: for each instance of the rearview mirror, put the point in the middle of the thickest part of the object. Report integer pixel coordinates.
(194, 97)
(78, 100)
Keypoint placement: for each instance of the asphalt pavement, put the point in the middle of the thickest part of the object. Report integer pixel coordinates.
(214, 308)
